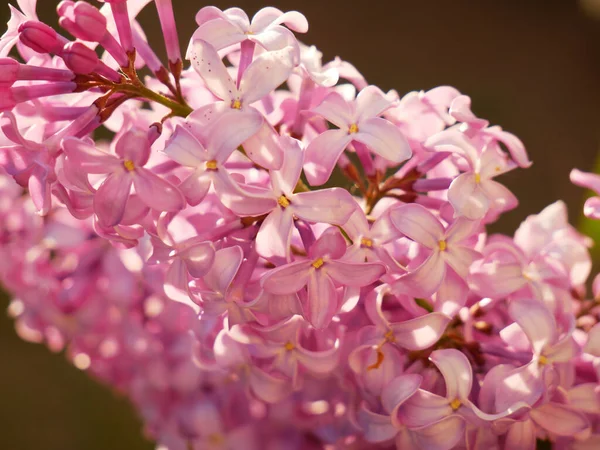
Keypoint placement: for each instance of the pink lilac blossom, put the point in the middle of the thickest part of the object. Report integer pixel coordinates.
(268, 252)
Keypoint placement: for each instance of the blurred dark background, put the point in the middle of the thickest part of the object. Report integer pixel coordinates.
(531, 66)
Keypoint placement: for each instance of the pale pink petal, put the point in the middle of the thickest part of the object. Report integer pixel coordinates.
(268, 387)
(457, 372)
(371, 102)
(286, 178)
(523, 384)
(157, 193)
(266, 73)
(196, 186)
(321, 303)
(460, 259)
(264, 147)
(375, 427)
(198, 259)
(559, 419)
(333, 206)
(287, 279)
(536, 320)
(230, 131)
(185, 149)
(275, 234)
(273, 16)
(330, 244)
(423, 408)
(591, 208)
(522, 435)
(563, 351)
(243, 200)
(355, 274)
(502, 198)
(460, 109)
(452, 294)
(398, 391)
(111, 198)
(592, 345)
(88, 158)
(383, 138)
(40, 190)
(226, 264)
(208, 64)
(324, 361)
(467, 197)
(487, 393)
(424, 280)
(496, 280)
(417, 223)
(421, 332)
(134, 146)
(219, 33)
(336, 110)
(586, 180)
(513, 144)
(584, 397)
(322, 155)
(461, 229)
(274, 38)
(442, 435)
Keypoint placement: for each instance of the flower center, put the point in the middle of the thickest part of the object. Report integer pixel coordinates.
(211, 165)
(236, 104)
(353, 129)
(477, 178)
(318, 263)
(283, 201)
(216, 439)
(442, 245)
(366, 242)
(378, 362)
(289, 346)
(129, 165)
(389, 336)
(542, 360)
(455, 404)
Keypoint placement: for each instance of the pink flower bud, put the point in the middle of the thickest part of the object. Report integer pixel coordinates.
(40, 37)
(79, 58)
(9, 69)
(7, 100)
(82, 20)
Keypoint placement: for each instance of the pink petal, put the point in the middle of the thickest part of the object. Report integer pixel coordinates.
(134, 146)
(40, 190)
(321, 303)
(330, 244)
(230, 131)
(467, 197)
(333, 206)
(421, 332)
(268, 387)
(225, 266)
(208, 64)
(522, 435)
(354, 274)
(272, 16)
(336, 110)
(457, 372)
(559, 419)
(196, 186)
(398, 391)
(442, 435)
(266, 73)
(264, 147)
(219, 33)
(322, 154)
(198, 259)
(591, 208)
(523, 384)
(592, 345)
(502, 198)
(460, 259)
(157, 193)
(287, 279)
(375, 427)
(513, 144)
(417, 223)
(586, 180)
(275, 235)
(111, 198)
(384, 138)
(424, 280)
(324, 361)
(371, 102)
(286, 178)
(536, 320)
(89, 158)
(242, 200)
(185, 149)
(423, 408)
(461, 229)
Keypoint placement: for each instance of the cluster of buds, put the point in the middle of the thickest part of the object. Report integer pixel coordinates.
(271, 253)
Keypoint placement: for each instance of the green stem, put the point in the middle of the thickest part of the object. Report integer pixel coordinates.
(140, 90)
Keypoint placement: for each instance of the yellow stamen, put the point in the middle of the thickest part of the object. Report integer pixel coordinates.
(353, 129)
(542, 361)
(129, 165)
(477, 178)
(377, 364)
(289, 346)
(211, 165)
(366, 242)
(455, 404)
(318, 263)
(389, 336)
(283, 201)
(236, 104)
(442, 245)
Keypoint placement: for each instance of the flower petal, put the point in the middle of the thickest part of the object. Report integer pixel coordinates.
(467, 197)
(89, 158)
(323, 153)
(457, 372)
(354, 274)
(384, 138)
(111, 198)
(424, 280)
(336, 110)
(287, 279)
(196, 186)
(443, 435)
(536, 321)
(375, 427)
(321, 303)
(333, 206)
(417, 223)
(157, 193)
(230, 131)
(423, 408)
(559, 419)
(266, 73)
(198, 259)
(399, 390)
(371, 102)
(225, 266)
(208, 64)
(185, 149)
(330, 244)
(275, 234)
(421, 332)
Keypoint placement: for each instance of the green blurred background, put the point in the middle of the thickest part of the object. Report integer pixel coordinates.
(532, 66)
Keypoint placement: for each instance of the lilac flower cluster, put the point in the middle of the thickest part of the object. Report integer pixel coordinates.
(200, 263)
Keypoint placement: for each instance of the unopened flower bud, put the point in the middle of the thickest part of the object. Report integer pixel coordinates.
(82, 20)
(40, 37)
(79, 58)
(9, 69)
